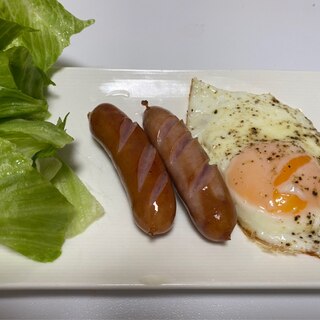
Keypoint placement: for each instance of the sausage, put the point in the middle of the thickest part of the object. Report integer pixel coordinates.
(199, 184)
(140, 168)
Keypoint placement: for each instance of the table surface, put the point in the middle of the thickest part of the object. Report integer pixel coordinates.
(184, 34)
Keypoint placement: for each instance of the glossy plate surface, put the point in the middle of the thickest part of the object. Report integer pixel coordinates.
(113, 253)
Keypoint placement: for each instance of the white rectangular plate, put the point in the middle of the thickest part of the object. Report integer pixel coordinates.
(113, 253)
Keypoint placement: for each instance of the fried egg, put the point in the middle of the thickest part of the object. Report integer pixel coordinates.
(269, 155)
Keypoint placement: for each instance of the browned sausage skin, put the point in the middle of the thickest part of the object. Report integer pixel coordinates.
(139, 166)
(199, 184)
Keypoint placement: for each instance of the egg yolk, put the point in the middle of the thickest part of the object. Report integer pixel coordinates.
(278, 177)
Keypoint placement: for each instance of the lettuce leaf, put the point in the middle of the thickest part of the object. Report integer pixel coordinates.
(55, 26)
(6, 78)
(27, 76)
(48, 167)
(34, 216)
(16, 104)
(9, 31)
(87, 208)
(22, 86)
(34, 136)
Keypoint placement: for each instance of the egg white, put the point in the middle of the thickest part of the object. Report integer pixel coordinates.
(225, 122)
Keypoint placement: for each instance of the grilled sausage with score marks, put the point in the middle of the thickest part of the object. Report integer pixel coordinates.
(139, 166)
(199, 184)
